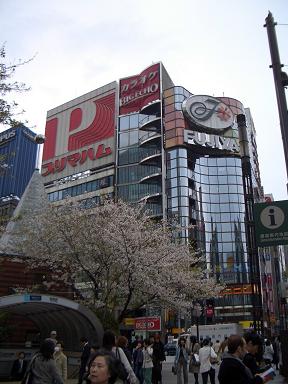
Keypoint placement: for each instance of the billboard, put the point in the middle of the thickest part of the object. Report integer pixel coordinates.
(80, 134)
(139, 90)
(208, 113)
(211, 121)
(271, 223)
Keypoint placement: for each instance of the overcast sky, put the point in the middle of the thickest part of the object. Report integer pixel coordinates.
(209, 47)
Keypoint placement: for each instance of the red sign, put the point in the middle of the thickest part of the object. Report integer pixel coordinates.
(75, 159)
(209, 311)
(137, 91)
(148, 323)
(88, 123)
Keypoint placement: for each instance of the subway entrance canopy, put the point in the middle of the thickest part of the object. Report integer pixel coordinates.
(71, 320)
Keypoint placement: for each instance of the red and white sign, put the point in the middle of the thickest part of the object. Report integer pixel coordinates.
(137, 91)
(148, 323)
(79, 133)
(209, 311)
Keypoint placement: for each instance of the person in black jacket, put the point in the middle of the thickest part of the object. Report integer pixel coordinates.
(19, 367)
(232, 369)
(84, 358)
(158, 357)
(254, 347)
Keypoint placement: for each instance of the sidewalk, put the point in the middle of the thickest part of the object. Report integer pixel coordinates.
(169, 378)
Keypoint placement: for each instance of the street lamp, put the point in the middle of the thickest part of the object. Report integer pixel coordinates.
(196, 311)
(39, 139)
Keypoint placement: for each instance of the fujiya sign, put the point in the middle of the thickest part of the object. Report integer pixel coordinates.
(211, 141)
(208, 113)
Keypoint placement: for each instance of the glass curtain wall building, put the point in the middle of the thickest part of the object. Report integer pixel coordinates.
(194, 176)
(147, 140)
(139, 174)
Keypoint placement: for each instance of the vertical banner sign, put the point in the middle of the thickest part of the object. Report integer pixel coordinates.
(137, 91)
(271, 223)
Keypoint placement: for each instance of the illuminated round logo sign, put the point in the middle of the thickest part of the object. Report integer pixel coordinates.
(208, 113)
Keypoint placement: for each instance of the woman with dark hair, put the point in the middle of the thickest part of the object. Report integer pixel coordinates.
(206, 354)
(109, 343)
(122, 342)
(158, 357)
(181, 361)
(102, 368)
(194, 365)
(43, 366)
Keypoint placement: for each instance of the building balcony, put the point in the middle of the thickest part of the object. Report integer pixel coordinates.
(153, 197)
(151, 137)
(151, 108)
(151, 178)
(153, 159)
(151, 123)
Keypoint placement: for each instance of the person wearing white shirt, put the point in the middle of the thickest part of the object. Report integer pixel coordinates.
(109, 343)
(147, 362)
(206, 368)
(268, 352)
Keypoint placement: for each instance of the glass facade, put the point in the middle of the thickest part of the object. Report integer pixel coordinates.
(139, 172)
(82, 188)
(207, 192)
(203, 193)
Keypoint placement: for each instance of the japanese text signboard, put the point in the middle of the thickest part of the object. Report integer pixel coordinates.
(271, 223)
(148, 323)
(80, 134)
(137, 91)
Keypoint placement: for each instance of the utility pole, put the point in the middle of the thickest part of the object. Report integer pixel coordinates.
(281, 81)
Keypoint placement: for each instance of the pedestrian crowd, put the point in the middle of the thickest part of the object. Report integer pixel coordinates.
(112, 362)
(241, 360)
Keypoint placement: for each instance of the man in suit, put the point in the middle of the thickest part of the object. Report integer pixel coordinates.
(84, 358)
(19, 367)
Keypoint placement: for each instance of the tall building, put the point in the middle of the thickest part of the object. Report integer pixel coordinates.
(190, 158)
(18, 152)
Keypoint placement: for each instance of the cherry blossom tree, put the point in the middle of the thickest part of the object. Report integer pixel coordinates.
(116, 256)
(8, 108)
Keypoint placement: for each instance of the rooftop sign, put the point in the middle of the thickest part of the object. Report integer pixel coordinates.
(139, 90)
(208, 113)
